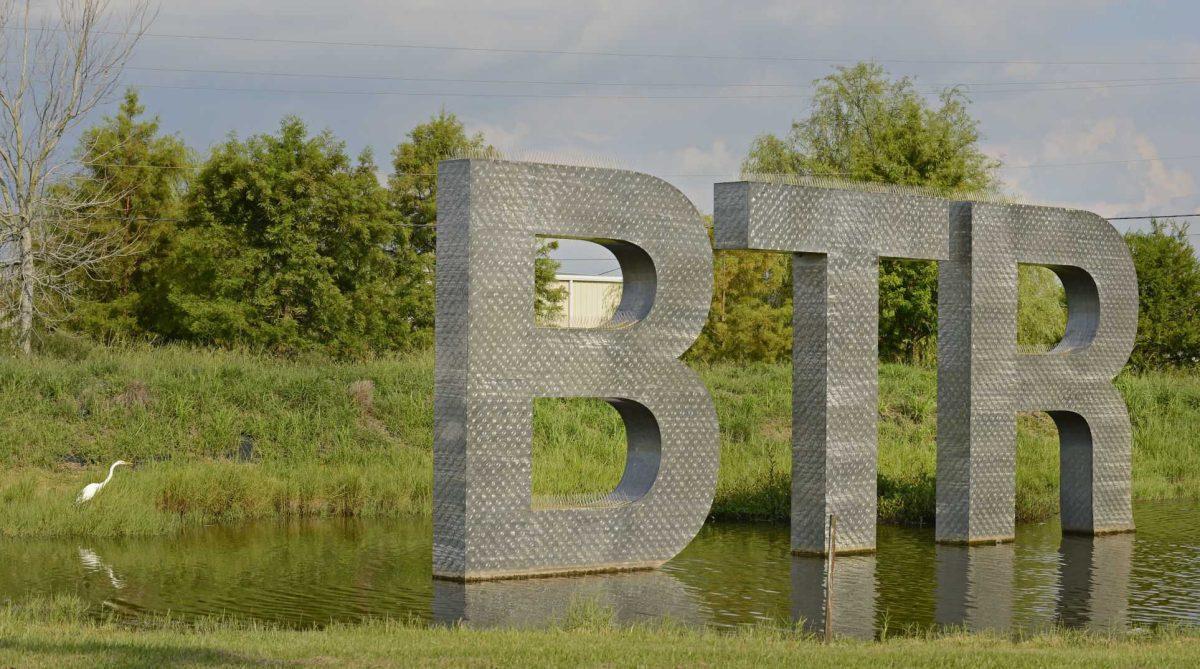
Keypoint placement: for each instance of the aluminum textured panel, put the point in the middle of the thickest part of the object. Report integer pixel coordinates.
(492, 361)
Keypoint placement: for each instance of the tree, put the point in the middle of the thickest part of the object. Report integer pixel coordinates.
(52, 75)
(865, 127)
(126, 154)
(1168, 297)
(287, 246)
(750, 317)
(413, 189)
(413, 184)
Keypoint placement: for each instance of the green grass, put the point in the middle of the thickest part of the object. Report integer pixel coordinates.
(62, 633)
(355, 439)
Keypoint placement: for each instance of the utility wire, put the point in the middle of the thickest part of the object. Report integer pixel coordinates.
(971, 88)
(564, 96)
(641, 54)
(657, 84)
(1100, 162)
(411, 174)
(145, 219)
(1139, 218)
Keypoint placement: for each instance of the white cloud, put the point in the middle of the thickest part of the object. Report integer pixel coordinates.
(715, 160)
(1125, 174)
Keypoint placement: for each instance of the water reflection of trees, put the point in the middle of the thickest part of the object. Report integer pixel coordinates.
(302, 573)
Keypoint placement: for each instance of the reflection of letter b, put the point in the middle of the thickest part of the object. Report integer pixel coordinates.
(492, 361)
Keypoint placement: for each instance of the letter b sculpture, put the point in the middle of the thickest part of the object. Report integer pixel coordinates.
(492, 361)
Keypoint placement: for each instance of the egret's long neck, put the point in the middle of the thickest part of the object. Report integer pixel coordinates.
(111, 469)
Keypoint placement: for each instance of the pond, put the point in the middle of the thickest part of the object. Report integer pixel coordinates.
(314, 572)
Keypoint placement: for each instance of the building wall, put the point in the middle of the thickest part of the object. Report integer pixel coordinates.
(590, 302)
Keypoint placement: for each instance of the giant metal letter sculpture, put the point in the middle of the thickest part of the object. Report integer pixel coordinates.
(983, 381)
(837, 237)
(492, 361)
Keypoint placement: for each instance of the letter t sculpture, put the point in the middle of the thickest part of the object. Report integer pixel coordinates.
(836, 237)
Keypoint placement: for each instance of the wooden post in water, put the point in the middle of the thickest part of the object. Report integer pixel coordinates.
(829, 579)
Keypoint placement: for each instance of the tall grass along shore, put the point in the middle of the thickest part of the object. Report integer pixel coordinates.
(60, 632)
(224, 436)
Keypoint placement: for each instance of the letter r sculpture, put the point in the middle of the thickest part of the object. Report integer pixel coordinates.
(983, 380)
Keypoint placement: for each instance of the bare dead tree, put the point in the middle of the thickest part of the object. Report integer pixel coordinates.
(55, 68)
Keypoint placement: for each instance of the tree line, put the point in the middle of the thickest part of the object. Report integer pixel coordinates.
(279, 242)
(285, 243)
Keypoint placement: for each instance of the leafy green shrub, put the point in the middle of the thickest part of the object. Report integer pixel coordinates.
(1168, 297)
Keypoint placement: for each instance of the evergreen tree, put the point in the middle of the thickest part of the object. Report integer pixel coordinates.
(750, 317)
(136, 176)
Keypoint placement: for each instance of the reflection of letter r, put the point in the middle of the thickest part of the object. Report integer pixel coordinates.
(492, 361)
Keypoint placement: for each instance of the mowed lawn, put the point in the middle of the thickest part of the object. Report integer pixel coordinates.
(60, 633)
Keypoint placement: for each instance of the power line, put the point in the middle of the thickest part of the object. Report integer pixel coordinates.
(1139, 218)
(576, 96)
(1143, 81)
(1080, 87)
(536, 82)
(726, 174)
(411, 174)
(1100, 162)
(624, 97)
(647, 54)
(148, 219)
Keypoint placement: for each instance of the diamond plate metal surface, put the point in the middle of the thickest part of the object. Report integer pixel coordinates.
(837, 237)
(492, 361)
(983, 381)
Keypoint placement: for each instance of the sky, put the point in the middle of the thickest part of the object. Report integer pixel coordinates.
(1088, 104)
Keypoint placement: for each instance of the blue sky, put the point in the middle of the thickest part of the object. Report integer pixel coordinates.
(1126, 81)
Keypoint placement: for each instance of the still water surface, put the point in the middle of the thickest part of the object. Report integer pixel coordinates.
(311, 573)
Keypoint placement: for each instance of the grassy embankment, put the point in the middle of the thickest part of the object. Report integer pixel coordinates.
(60, 633)
(222, 437)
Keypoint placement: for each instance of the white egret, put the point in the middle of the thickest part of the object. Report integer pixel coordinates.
(89, 491)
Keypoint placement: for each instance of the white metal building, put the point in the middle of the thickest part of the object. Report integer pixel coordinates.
(590, 302)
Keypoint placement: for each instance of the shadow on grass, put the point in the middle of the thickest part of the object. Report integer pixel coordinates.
(150, 655)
